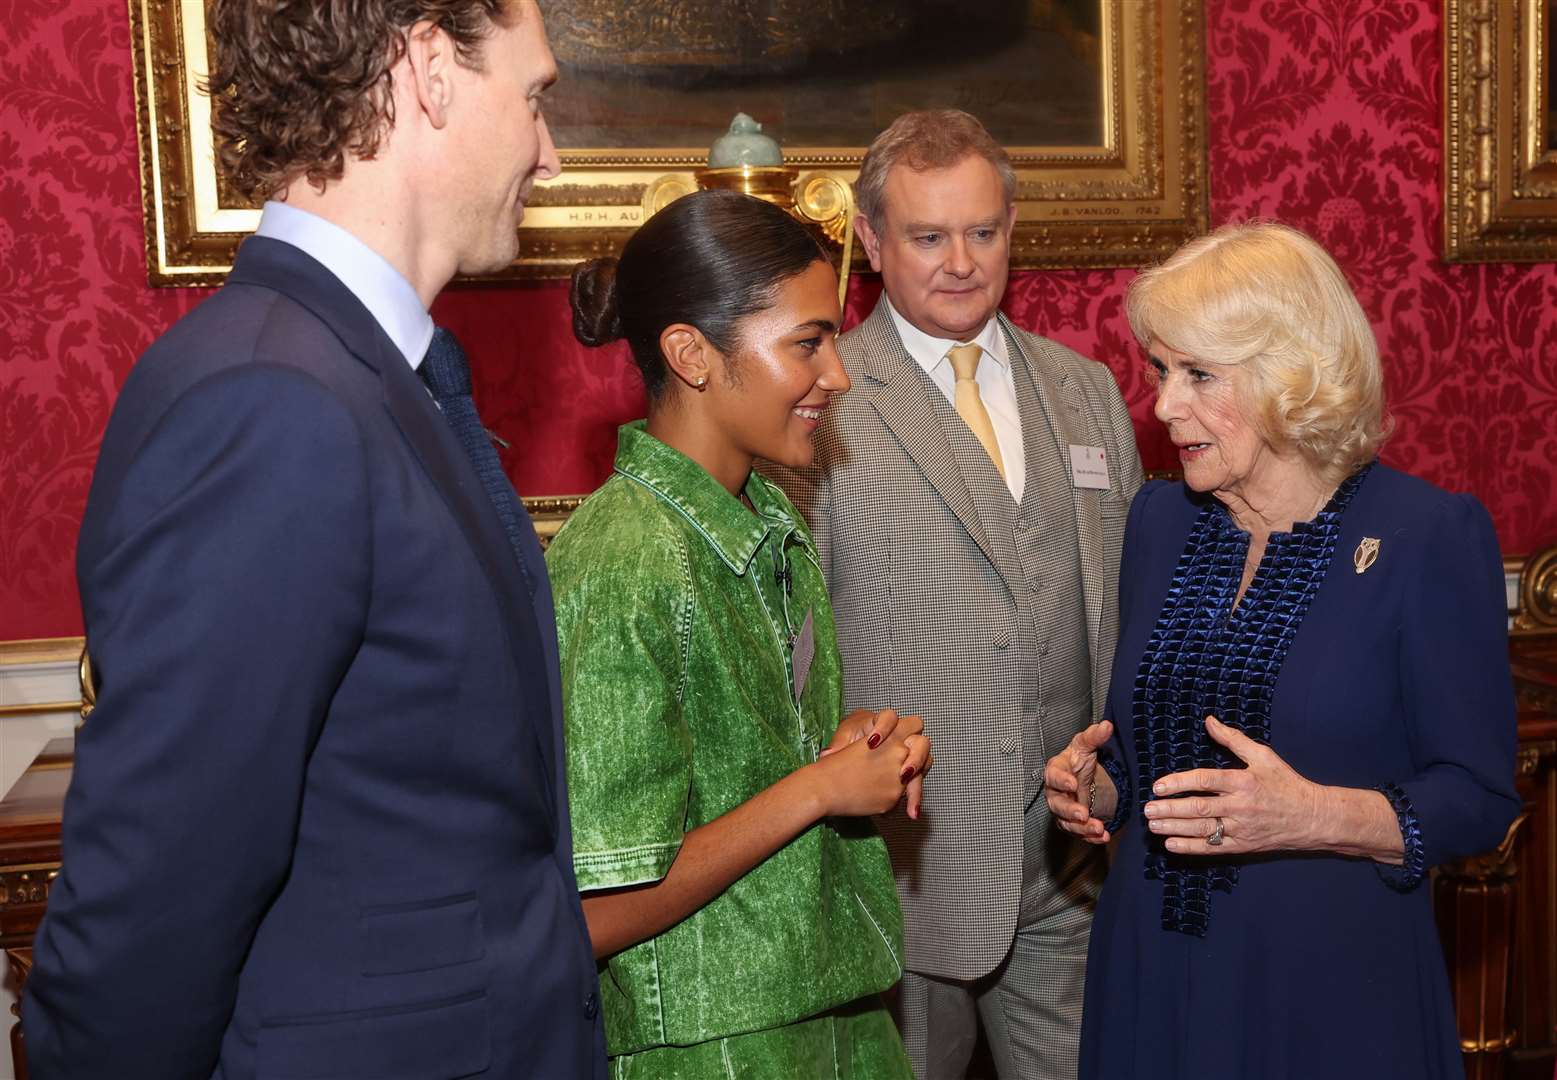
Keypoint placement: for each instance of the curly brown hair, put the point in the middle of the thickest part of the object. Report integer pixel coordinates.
(296, 85)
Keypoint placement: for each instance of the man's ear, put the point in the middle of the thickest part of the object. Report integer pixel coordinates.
(1011, 221)
(430, 60)
(688, 354)
(869, 240)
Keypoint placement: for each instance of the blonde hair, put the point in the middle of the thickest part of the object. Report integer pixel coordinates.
(1267, 297)
(920, 141)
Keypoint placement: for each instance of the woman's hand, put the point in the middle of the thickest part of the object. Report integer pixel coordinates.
(872, 725)
(856, 778)
(1269, 807)
(875, 726)
(853, 779)
(1068, 781)
(1265, 807)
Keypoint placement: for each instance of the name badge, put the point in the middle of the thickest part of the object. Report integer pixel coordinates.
(1089, 467)
(804, 652)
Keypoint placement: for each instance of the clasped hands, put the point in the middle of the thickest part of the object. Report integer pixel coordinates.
(892, 743)
(1265, 806)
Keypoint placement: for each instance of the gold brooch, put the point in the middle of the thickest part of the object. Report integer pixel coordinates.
(1367, 553)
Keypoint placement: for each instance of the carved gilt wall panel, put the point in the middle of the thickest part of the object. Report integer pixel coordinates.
(1101, 103)
(1500, 140)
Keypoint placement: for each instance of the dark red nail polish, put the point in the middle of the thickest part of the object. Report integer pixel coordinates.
(875, 736)
(908, 774)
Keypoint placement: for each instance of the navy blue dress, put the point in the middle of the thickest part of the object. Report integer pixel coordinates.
(1303, 965)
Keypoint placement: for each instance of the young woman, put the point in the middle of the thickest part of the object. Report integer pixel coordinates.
(742, 904)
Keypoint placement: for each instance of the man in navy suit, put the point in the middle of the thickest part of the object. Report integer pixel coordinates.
(318, 825)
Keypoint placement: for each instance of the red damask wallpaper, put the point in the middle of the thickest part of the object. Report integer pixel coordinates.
(1323, 113)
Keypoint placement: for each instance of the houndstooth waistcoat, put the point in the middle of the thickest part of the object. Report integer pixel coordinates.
(953, 600)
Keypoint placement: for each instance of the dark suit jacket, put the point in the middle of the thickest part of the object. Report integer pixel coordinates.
(318, 825)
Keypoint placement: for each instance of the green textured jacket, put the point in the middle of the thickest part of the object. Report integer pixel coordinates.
(678, 611)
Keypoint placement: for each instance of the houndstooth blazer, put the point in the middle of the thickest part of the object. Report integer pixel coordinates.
(930, 601)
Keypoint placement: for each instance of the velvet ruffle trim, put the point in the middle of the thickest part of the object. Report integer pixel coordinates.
(1121, 778)
(1208, 657)
(1408, 875)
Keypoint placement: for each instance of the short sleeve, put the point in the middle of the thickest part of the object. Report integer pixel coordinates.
(1458, 696)
(623, 608)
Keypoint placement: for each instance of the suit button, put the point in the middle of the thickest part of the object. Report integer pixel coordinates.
(591, 1005)
(1002, 639)
(1022, 524)
(1032, 586)
(1043, 650)
(1008, 745)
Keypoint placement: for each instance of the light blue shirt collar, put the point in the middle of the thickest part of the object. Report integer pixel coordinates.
(383, 290)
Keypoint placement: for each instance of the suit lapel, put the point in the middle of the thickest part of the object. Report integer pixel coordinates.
(1055, 417)
(901, 402)
(454, 477)
(285, 269)
(545, 614)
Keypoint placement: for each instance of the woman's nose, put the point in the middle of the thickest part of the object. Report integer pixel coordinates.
(833, 378)
(1169, 405)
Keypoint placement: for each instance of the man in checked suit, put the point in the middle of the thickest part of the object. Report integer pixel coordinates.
(317, 826)
(969, 508)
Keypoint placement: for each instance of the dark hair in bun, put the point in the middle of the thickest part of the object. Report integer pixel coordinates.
(709, 259)
(596, 320)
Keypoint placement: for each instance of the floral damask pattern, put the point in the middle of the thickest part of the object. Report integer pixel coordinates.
(1323, 113)
(75, 309)
(1326, 114)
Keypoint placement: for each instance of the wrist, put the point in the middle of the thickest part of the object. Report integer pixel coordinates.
(1327, 830)
(809, 792)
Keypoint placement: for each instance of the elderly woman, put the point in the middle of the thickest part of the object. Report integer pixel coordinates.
(1311, 700)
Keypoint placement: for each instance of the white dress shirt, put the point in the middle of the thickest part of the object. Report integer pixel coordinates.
(383, 290)
(997, 387)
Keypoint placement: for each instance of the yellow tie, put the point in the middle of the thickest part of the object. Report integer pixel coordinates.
(965, 362)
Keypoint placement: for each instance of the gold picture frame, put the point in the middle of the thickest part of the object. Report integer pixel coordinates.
(1128, 201)
(1500, 137)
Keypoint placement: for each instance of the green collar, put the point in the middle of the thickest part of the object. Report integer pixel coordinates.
(733, 531)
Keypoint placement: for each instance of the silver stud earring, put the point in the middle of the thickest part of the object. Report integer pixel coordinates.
(702, 381)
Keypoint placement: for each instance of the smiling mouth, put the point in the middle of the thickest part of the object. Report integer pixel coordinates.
(810, 412)
(1194, 447)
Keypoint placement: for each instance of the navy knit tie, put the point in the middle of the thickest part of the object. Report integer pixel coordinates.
(448, 376)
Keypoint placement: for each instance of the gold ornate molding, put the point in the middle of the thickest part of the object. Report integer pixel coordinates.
(87, 681)
(1537, 612)
(1530, 757)
(1129, 201)
(28, 884)
(550, 514)
(1500, 165)
(38, 651)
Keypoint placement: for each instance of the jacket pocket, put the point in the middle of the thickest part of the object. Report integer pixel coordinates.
(402, 938)
(441, 1040)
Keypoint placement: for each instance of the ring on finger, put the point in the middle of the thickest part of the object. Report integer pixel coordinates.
(1217, 835)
